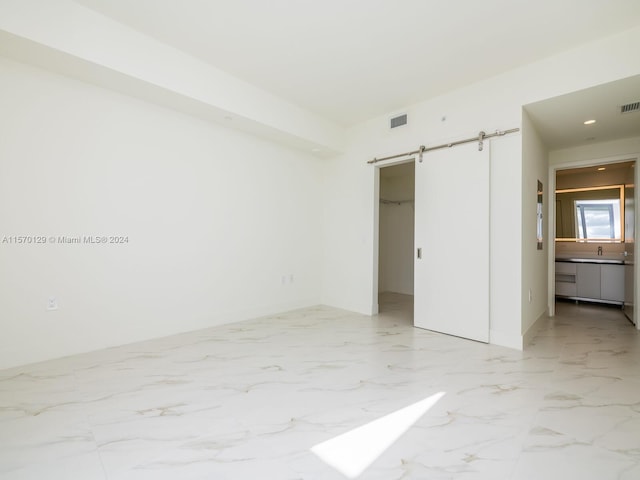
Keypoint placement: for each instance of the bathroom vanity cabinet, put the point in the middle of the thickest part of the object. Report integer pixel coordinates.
(595, 281)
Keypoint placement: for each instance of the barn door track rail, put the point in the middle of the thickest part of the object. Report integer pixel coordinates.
(480, 139)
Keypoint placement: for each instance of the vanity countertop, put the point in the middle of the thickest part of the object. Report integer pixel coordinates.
(617, 259)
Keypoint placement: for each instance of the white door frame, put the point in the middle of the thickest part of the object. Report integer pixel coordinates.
(552, 224)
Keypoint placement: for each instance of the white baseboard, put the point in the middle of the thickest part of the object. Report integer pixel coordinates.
(504, 339)
(535, 328)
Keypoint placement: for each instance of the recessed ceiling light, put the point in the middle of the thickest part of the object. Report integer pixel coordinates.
(601, 168)
(589, 122)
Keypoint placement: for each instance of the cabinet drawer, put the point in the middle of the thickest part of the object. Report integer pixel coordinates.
(565, 267)
(566, 289)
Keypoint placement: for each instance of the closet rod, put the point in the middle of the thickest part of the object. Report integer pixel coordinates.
(481, 136)
(394, 202)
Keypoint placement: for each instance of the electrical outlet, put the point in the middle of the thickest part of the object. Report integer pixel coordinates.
(52, 303)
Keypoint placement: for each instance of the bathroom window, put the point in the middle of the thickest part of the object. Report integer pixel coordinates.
(598, 219)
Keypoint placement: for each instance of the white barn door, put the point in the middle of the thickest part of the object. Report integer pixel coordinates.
(451, 291)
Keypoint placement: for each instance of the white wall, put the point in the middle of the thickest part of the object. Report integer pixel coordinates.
(610, 176)
(396, 235)
(66, 37)
(505, 242)
(350, 233)
(535, 166)
(214, 218)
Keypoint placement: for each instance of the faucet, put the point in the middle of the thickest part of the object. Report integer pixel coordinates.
(600, 250)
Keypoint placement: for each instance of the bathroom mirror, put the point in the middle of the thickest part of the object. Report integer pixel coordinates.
(590, 214)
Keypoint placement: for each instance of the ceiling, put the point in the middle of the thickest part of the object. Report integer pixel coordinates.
(350, 60)
(596, 169)
(609, 175)
(560, 120)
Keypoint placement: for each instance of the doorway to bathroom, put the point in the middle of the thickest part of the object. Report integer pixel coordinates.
(595, 218)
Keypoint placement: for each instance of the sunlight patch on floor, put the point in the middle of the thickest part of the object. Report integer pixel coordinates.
(351, 453)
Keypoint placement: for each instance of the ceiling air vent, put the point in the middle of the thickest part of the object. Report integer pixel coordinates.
(398, 121)
(630, 107)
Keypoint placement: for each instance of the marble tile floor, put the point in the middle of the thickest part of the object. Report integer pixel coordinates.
(249, 400)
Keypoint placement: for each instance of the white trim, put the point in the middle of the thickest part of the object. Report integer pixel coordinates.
(551, 260)
(636, 249)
